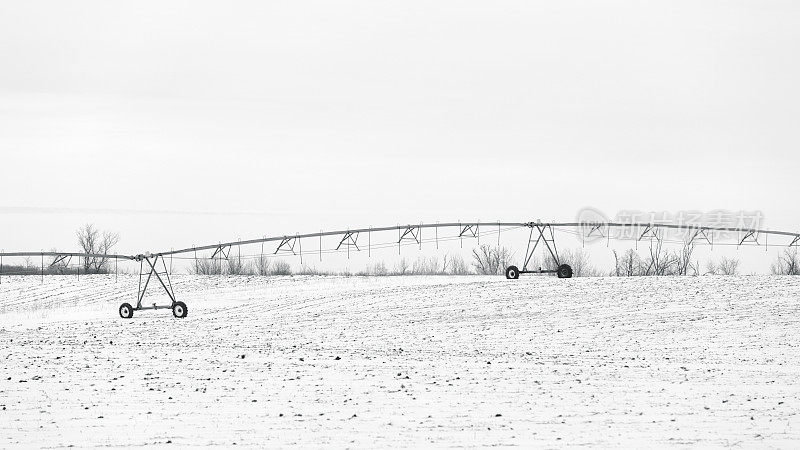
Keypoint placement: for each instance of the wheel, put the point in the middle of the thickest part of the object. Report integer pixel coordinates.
(179, 310)
(126, 310)
(564, 271)
(512, 273)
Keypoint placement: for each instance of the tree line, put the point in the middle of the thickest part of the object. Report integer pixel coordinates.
(90, 240)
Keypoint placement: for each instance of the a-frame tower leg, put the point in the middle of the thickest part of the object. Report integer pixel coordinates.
(149, 264)
(542, 232)
(546, 235)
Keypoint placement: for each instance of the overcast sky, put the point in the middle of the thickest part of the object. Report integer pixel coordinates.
(310, 115)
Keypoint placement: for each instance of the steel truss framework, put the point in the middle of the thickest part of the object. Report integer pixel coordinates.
(543, 232)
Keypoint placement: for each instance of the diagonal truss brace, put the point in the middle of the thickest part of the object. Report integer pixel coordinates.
(148, 264)
(596, 228)
(61, 258)
(222, 250)
(795, 241)
(287, 245)
(350, 238)
(649, 232)
(542, 237)
(701, 234)
(469, 231)
(410, 233)
(749, 236)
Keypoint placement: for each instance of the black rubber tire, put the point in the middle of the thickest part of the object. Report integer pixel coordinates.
(126, 310)
(180, 310)
(512, 273)
(564, 271)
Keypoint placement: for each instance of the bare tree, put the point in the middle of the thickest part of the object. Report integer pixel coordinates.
(787, 264)
(92, 241)
(695, 266)
(402, 267)
(630, 264)
(661, 262)
(725, 266)
(490, 260)
(483, 260)
(458, 266)
(684, 258)
(579, 261)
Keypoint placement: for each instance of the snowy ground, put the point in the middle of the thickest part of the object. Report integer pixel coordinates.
(403, 362)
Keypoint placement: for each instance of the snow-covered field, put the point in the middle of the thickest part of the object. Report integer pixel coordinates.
(403, 362)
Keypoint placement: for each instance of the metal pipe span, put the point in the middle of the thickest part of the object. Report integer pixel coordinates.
(401, 228)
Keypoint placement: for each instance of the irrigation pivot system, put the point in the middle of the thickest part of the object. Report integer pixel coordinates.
(153, 268)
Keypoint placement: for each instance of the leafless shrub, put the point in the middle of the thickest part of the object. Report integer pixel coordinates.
(237, 267)
(313, 270)
(206, 267)
(725, 266)
(281, 267)
(262, 265)
(402, 267)
(490, 260)
(308, 270)
(91, 240)
(379, 269)
(787, 263)
(425, 266)
(659, 261)
(458, 266)
(579, 261)
(728, 266)
(27, 267)
(419, 266)
(433, 266)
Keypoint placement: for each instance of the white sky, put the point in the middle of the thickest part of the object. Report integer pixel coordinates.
(334, 114)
